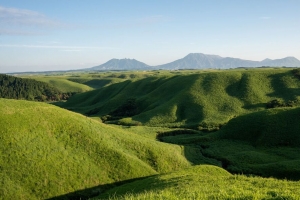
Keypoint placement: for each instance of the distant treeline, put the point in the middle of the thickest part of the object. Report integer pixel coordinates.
(21, 88)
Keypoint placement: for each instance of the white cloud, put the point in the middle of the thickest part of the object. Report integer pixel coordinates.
(15, 21)
(26, 17)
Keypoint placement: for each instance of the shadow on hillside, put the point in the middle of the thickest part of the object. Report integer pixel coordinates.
(281, 90)
(88, 193)
(254, 106)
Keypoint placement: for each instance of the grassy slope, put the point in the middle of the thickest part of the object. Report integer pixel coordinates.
(272, 127)
(83, 81)
(265, 143)
(205, 182)
(47, 151)
(205, 99)
(63, 84)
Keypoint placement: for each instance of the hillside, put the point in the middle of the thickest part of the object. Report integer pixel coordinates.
(22, 88)
(48, 151)
(202, 100)
(272, 127)
(264, 143)
(63, 84)
(204, 182)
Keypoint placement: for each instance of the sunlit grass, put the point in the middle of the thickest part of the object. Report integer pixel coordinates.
(205, 182)
(48, 151)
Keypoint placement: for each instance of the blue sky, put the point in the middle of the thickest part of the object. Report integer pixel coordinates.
(41, 35)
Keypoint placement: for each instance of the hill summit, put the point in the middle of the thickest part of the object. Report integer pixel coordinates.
(122, 64)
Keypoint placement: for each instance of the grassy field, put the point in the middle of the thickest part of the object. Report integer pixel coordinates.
(205, 182)
(47, 151)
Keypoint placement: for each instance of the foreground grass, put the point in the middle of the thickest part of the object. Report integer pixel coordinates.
(205, 182)
(47, 151)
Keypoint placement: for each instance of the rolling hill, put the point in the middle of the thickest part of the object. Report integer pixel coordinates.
(199, 100)
(63, 84)
(204, 182)
(47, 151)
(264, 143)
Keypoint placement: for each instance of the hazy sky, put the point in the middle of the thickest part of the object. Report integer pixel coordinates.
(39, 35)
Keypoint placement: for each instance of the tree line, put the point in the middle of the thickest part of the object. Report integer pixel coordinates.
(21, 88)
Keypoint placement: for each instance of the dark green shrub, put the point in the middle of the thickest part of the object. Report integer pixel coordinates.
(279, 103)
(128, 109)
(296, 73)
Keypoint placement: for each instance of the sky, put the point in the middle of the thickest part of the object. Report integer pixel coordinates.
(43, 35)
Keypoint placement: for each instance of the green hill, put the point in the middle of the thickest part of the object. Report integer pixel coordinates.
(23, 88)
(63, 84)
(200, 100)
(272, 127)
(265, 143)
(205, 182)
(48, 151)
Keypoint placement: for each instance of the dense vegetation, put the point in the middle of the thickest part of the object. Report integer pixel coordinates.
(21, 88)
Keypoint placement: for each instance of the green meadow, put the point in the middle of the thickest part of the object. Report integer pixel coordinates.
(205, 182)
(187, 134)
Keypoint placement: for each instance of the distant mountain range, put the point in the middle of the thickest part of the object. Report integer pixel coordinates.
(197, 61)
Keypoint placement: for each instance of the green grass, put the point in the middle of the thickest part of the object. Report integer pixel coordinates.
(264, 143)
(272, 127)
(63, 84)
(205, 182)
(48, 151)
(202, 100)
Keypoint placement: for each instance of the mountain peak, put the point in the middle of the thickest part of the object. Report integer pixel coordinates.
(122, 64)
(197, 61)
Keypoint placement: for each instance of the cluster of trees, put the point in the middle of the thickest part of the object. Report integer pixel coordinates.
(280, 103)
(128, 109)
(296, 72)
(18, 88)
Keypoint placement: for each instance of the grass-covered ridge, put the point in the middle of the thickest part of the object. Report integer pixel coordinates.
(205, 182)
(63, 84)
(48, 151)
(265, 143)
(199, 100)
